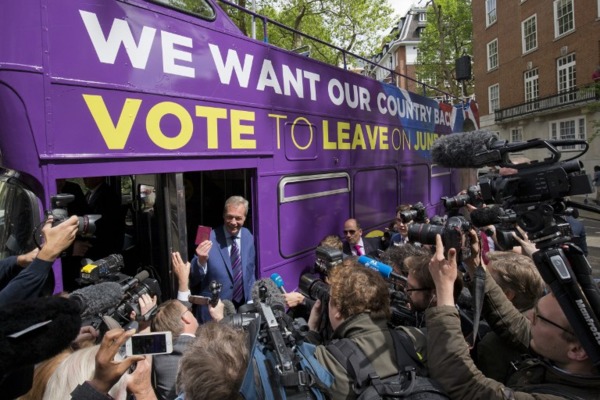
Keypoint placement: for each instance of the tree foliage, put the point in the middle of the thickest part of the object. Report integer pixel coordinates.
(352, 25)
(447, 36)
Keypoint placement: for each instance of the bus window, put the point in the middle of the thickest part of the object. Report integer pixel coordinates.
(19, 216)
(375, 196)
(414, 182)
(310, 206)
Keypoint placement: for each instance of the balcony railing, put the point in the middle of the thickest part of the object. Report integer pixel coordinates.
(576, 96)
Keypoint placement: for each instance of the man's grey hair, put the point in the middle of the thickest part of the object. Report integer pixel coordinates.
(236, 201)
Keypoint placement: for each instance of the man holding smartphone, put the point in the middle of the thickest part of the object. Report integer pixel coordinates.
(228, 257)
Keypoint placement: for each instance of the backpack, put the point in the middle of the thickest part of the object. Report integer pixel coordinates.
(410, 383)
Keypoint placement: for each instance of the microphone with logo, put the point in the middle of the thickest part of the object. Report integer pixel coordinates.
(278, 280)
(385, 270)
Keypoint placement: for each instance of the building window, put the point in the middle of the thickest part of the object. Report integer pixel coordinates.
(492, 54)
(532, 88)
(516, 135)
(494, 97)
(422, 17)
(529, 34)
(490, 11)
(568, 129)
(564, 17)
(565, 69)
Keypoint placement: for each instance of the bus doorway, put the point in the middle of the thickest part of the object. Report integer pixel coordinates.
(205, 195)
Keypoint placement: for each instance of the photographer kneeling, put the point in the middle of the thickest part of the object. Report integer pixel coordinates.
(562, 368)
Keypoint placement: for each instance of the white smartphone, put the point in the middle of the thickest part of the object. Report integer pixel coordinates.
(149, 343)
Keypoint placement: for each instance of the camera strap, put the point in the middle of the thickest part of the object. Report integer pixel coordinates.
(479, 288)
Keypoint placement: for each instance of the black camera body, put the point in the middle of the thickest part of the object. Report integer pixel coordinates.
(131, 299)
(417, 213)
(86, 223)
(473, 197)
(326, 259)
(454, 235)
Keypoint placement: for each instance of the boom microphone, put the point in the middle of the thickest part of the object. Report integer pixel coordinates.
(97, 298)
(486, 216)
(34, 330)
(385, 270)
(274, 298)
(459, 150)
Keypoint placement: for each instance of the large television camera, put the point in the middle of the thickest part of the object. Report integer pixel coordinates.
(534, 196)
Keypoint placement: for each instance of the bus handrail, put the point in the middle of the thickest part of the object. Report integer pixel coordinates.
(266, 20)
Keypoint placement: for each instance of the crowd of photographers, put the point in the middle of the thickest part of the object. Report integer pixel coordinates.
(436, 307)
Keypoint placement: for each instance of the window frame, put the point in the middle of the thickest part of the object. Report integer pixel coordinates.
(579, 127)
(492, 57)
(558, 24)
(491, 14)
(566, 77)
(492, 100)
(524, 35)
(516, 130)
(531, 87)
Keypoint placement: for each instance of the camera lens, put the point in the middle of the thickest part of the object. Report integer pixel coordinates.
(424, 233)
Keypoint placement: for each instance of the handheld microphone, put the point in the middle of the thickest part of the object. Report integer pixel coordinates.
(385, 270)
(97, 298)
(275, 277)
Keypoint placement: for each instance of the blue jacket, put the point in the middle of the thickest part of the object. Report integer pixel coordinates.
(218, 268)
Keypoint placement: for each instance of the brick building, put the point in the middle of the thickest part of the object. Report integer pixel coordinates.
(400, 53)
(533, 66)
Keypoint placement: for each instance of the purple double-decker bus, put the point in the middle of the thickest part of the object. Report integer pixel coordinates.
(177, 110)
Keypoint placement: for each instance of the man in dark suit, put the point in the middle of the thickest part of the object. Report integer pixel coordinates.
(355, 244)
(176, 317)
(228, 257)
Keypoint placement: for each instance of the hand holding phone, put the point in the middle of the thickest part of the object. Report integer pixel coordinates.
(149, 343)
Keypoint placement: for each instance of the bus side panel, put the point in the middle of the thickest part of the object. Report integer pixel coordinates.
(23, 48)
(375, 195)
(307, 220)
(414, 183)
(21, 112)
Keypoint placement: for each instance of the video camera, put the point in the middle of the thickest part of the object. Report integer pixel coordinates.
(416, 213)
(534, 199)
(86, 224)
(454, 235)
(118, 296)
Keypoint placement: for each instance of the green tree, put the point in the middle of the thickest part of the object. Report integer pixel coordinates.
(447, 36)
(352, 25)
